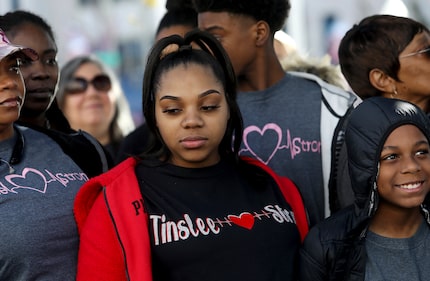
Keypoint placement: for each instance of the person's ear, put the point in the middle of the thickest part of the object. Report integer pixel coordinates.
(262, 30)
(381, 81)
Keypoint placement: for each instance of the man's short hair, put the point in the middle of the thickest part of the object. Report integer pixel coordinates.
(274, 12)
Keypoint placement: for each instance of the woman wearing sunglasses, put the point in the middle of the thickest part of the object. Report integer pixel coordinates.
(92, 100)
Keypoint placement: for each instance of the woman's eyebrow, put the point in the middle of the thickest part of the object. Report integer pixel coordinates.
(204, 94)
(208, 92)
(167, 97)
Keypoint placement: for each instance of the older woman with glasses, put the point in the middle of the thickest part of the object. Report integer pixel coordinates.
(92, 100)
(388, 56)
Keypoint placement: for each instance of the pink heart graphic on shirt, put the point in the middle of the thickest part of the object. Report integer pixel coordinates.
(28, 175)
(245, 220)
(267, 127)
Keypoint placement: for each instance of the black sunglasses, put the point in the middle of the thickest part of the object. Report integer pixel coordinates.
(78, 84)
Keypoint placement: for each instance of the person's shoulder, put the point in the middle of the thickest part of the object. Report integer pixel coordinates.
(337, 100)
(292, 83)
(334, 228)
(34, 136)
(137, 136)
(319, 82)
(126, 167)
(134, 143)
(308, 82)
(57, 136)
(302, 76)
(119, 173)
(26, 130)
(76, 140)
(70, 142)
(83, 148)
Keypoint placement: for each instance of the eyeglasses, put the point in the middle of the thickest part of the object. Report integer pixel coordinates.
(424, 51)
(79, 85)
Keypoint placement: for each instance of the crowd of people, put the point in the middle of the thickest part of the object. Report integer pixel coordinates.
(247, 166)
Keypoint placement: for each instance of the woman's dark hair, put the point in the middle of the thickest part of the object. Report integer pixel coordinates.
(209, 54)
(11, 20)
(274, 12)
(375, 42)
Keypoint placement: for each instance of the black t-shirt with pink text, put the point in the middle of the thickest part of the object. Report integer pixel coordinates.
(215, 224)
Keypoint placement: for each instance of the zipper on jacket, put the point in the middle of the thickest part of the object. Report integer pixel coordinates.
(117, 234)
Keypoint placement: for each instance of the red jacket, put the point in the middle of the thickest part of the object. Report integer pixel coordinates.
(122, 252)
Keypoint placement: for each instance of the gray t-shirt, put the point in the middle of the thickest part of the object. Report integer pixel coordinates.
(282, 130)
(398, 258)
(39, 239)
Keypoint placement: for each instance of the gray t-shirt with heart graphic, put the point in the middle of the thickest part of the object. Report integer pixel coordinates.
(39, 239)
(282, 130)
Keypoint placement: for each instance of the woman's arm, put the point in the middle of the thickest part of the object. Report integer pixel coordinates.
(100, 256)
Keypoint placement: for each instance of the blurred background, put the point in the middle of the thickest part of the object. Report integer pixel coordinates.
(121, 32)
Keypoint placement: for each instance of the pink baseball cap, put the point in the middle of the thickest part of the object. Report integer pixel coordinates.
(7, 48)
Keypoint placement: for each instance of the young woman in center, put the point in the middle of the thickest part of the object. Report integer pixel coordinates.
(189, 208)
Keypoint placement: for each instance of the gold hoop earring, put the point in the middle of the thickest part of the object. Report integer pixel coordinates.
(394, 94)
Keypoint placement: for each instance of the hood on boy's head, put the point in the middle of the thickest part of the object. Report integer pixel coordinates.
(368, 127)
